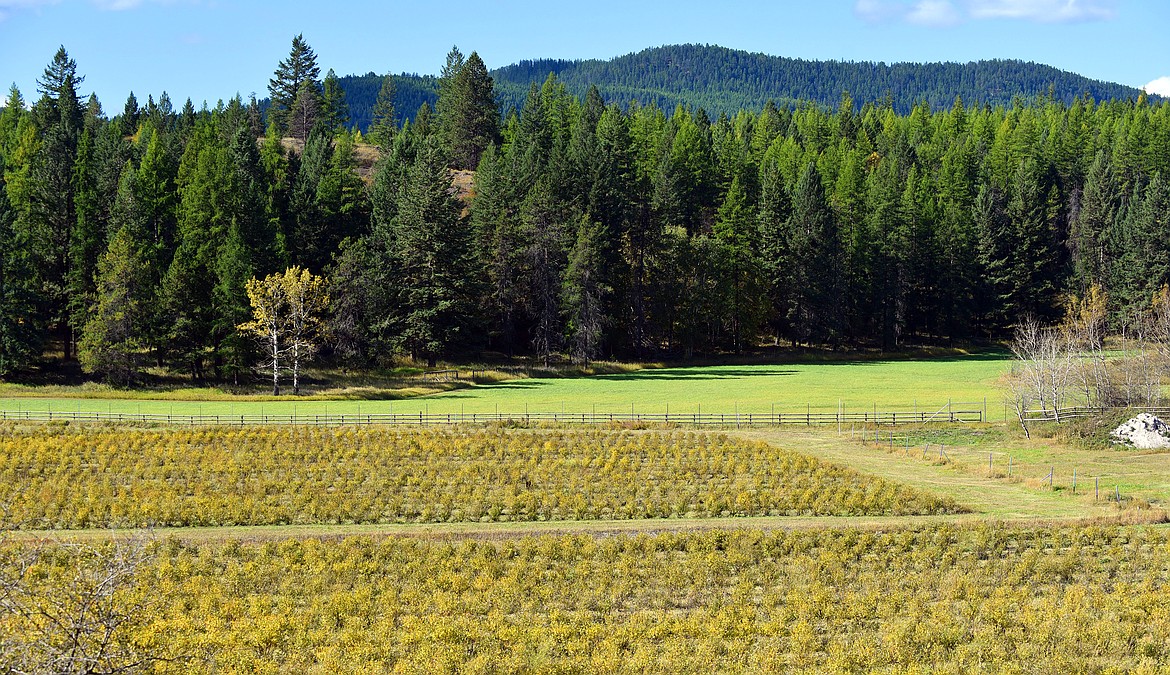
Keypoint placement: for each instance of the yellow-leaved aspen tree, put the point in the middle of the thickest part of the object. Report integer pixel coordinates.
(306, 299)
(288, 319)
(269, 309)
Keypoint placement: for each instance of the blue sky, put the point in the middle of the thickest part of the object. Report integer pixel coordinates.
(212, 49)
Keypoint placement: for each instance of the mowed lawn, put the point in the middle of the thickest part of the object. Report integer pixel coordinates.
(928, 384)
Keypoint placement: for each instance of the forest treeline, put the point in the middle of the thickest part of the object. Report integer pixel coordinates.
(590, 229)
(722, 80)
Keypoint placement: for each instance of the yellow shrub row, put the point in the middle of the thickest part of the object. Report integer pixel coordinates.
(93, 477)
(982, 600)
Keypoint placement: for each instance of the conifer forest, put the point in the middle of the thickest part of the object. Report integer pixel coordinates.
(563, 225)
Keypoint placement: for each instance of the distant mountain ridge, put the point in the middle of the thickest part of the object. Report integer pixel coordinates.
(722, 80)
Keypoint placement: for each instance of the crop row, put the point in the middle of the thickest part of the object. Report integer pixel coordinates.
(988, 599)
(93, 477)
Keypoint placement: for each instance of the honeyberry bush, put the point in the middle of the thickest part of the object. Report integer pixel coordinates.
(69, 477)
(988, 599)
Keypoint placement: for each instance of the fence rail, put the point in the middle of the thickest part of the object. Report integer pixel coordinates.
(436, 419)
(1076, 412)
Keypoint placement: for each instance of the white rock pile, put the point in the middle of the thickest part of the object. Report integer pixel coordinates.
(1144, 431)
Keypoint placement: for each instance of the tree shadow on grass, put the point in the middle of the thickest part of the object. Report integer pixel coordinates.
(693, 374)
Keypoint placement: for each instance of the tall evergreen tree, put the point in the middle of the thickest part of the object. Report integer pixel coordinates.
(495, 219)
(287, 81)
(334, 109)
(20, 336)
(1096, 215)
(307, 112)
(735, 232)
(445, 108)
(776, 263)
(543, 230)
(53, 215)
(432, 246)
(470, 120)
(816, 253)
(583, 292)
(309, 242)
(87, 238)
(1136, 244)
(385, 123)
(113, 339)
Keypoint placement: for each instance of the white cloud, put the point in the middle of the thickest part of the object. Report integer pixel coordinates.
(938, 13)
(1160, 86)
(934, 13)
(1047, 11)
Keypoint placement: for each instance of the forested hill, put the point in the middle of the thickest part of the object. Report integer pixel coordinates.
(722, 80)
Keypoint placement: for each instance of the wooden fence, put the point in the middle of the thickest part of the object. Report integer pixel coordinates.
(997, 464)
(737, 420)
(1076, 412)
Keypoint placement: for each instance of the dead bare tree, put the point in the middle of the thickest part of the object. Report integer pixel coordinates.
(1044, 364)
(1020, 396)
(74, 607)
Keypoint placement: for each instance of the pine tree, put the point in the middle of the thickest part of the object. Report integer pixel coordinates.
(87, 238)
(232, 269)
(692, 165)
(776, 263)
(340, 200)
(334, 109)
(112, 340)
(816, 254)
(291, 74)
(583, 293)
(308, 241)
(385, 124)
(53, 216)
(1099, 205)
(470, 120)
(277, 182)
(734, 230)
(204, 216)
(432, 247)
(543, 230)
(10, 117)
(130, 113)
(307, 112)
(446, 110)
(1031, 289)
(360, 303)
(495, 221)
(1136, 245)
(20, 335)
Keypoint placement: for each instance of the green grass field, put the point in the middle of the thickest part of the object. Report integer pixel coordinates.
(925, 384)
